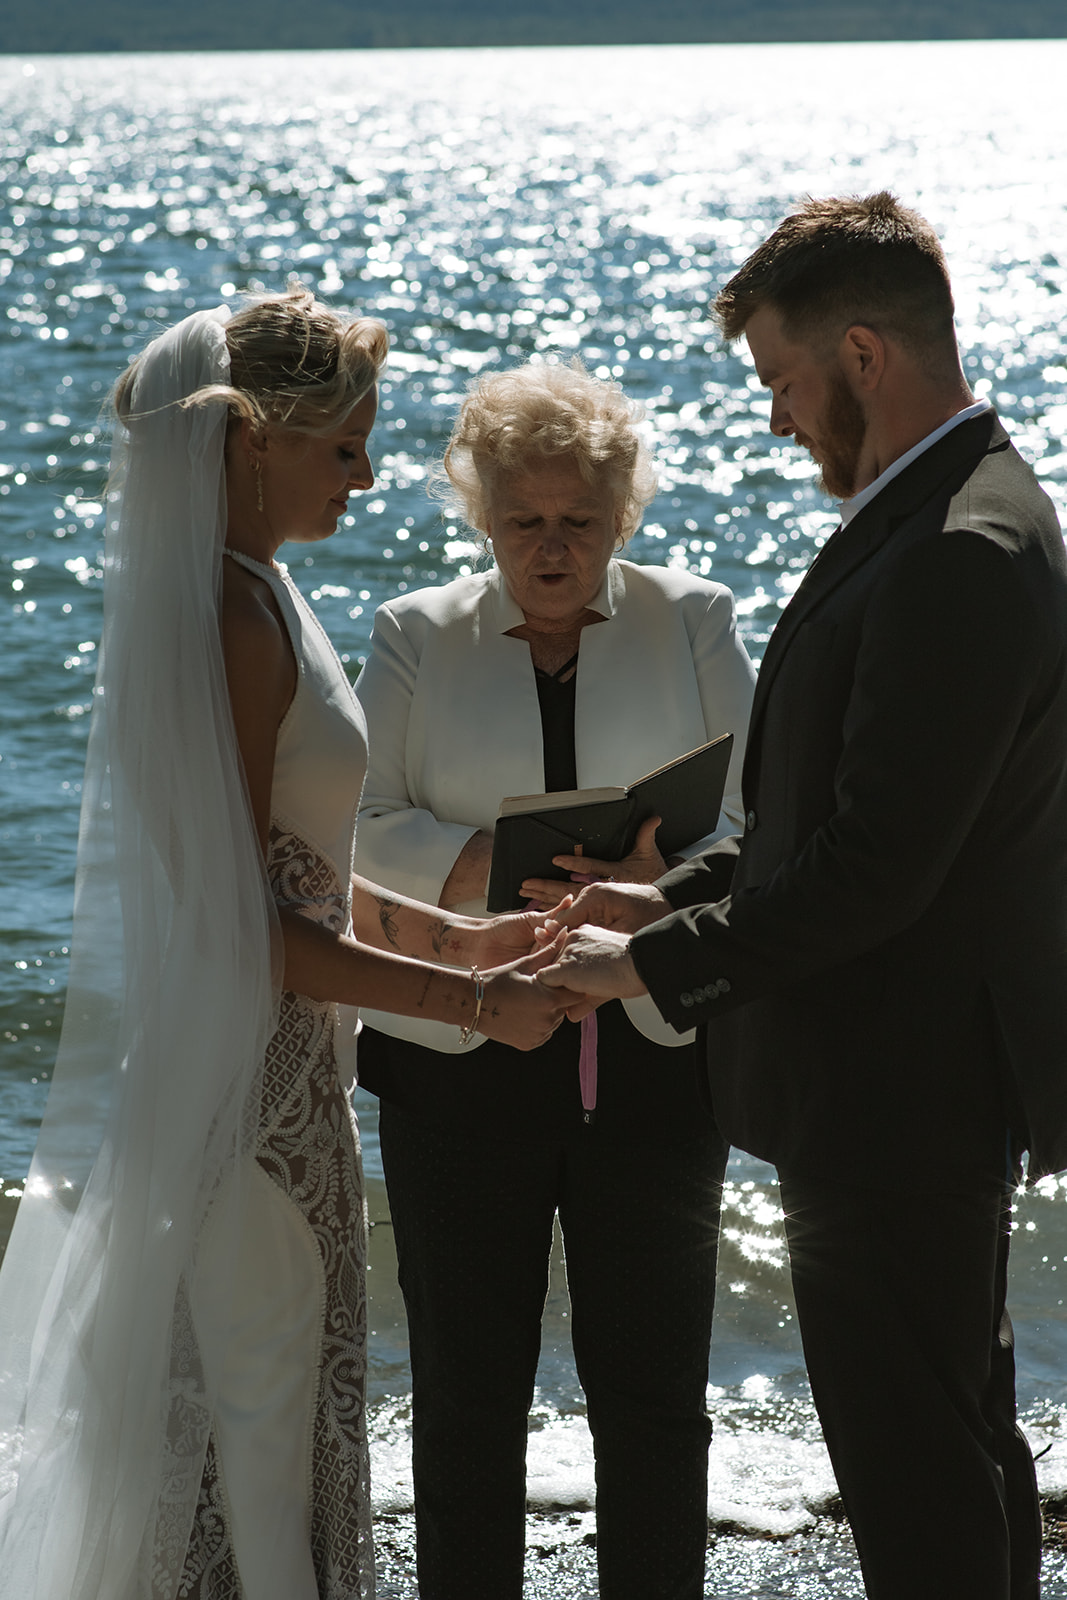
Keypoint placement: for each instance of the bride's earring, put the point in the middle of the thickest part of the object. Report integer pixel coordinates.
(257, 467)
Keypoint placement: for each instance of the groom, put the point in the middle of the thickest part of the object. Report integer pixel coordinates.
(880, 964)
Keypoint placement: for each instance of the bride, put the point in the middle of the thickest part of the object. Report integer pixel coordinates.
(182, 1306)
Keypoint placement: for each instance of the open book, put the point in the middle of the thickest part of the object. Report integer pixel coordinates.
(532, 828)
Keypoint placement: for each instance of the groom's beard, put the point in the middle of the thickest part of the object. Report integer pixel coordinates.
(842, 430)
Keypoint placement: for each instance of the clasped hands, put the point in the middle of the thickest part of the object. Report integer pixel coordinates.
(577, 953)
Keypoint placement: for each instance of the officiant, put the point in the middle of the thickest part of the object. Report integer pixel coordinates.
(561, 666)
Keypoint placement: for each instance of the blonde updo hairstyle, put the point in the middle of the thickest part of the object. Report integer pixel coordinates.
(295, 365)
(511, 421)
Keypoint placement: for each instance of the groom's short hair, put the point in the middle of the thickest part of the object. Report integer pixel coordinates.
(856, 259)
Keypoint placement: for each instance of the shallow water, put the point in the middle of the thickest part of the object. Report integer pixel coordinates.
(490, 205)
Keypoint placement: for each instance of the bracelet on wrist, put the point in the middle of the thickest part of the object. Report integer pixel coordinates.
(467, 1034)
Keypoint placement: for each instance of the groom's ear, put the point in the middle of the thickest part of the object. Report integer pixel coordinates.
(862, 354)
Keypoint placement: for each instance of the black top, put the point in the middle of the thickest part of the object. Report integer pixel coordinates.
(556, 692)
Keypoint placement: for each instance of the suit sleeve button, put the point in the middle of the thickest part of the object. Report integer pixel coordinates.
(750, 821)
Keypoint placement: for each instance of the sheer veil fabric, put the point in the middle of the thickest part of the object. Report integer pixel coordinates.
(175, 977)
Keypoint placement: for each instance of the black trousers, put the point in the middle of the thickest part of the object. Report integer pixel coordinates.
(473, 1222)
(901, 1303)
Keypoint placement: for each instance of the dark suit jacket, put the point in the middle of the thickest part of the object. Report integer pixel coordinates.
(881, 961)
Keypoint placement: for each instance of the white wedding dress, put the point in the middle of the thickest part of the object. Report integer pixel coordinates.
(285, 1339)
(182, 1302)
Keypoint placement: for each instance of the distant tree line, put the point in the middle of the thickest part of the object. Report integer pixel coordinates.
(51, 26)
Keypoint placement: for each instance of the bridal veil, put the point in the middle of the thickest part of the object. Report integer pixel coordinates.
(105, 1410)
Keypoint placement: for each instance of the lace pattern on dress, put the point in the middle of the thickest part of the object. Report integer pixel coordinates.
(308, 1145)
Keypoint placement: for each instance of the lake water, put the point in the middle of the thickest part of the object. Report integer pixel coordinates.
(489, 205)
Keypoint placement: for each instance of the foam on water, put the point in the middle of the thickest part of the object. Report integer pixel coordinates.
(758, 1483)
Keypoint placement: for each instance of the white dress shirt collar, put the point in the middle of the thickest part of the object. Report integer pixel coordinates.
(849, 508)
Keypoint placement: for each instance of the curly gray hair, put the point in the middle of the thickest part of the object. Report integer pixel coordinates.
(510, 420)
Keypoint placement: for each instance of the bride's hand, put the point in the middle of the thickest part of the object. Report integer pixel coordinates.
(520, 1010)
(496, 941)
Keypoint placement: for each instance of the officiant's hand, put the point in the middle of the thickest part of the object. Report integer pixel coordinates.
(644, 864)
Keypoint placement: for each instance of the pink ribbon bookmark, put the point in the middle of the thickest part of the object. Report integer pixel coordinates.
(587, 1065)
(586, 1055)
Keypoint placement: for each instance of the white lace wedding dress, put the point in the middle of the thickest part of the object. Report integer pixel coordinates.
(288, 1339)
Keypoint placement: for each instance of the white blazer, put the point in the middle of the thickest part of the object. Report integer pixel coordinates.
(455, 725)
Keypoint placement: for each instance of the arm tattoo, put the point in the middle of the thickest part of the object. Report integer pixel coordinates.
(387, 920)
(421, 1001)
(439, 940)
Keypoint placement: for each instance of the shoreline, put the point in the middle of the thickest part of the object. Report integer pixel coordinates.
(113, 27)
(820, 1564)
(561, 1561)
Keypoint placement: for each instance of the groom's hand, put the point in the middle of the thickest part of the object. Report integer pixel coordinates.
(596, 962)
(623, 907)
